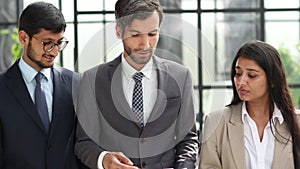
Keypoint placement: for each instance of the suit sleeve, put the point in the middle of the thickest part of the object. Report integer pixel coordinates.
(1, 148)
(86, 148)
(209, 156)
(187, 148)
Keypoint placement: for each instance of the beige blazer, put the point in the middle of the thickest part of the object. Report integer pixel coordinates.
(223, 142)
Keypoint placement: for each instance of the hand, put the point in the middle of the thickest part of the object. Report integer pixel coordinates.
(117, 160)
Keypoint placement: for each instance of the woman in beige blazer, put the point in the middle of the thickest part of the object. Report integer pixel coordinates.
(259, 128)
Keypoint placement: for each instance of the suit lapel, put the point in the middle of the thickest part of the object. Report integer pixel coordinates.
(162, 75)
(236, 132)
(115, 73)
(59, 86)
(15, 83)
(115, 76)
(283, 147)
(112, 89)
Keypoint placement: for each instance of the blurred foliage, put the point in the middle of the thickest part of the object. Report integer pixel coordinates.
(291, 62)
(13, 37)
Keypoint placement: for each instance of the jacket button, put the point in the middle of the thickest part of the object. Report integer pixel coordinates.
(50, 148)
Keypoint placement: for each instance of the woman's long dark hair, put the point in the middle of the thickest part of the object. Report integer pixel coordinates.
(268, 58)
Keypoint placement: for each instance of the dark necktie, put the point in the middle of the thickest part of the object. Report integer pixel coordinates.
(40, 101)
(137, 98)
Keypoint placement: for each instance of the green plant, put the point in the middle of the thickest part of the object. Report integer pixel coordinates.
(16, 47)
(291, 63)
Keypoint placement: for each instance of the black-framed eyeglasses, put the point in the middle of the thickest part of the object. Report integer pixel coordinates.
(49, 46)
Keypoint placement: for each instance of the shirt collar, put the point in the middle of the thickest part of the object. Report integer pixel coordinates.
(29, 73)
(129, 71)
(276, 114)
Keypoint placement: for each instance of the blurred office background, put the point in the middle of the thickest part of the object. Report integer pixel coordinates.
(201, 34)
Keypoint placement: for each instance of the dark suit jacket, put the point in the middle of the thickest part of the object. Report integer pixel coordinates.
(23, 140)
(169, 137)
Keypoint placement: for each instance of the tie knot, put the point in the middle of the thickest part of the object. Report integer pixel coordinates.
(38, 77)
(138, 76)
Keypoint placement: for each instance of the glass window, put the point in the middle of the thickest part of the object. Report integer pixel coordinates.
(89, 5)
(215, 99)
(109, 5)
(281, 4)
(68, 52)
(226, 32)
(90, 18)
(282, 28)
(227, 4)
(8, 12)
(189, 4)
(68, 10)
(171, 4)
(90, 46)
(282, 31)
(190, 52)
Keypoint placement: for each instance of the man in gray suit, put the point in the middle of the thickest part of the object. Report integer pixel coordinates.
(137, 111)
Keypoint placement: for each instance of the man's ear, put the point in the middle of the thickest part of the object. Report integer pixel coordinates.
(23, 37)
(118, 32)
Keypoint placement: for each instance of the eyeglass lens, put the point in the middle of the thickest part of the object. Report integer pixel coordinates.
(50, 45)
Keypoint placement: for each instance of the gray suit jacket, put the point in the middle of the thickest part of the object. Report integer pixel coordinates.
(169, 138)
(223, 142)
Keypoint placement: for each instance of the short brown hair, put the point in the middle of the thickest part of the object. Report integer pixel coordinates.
(128, 10)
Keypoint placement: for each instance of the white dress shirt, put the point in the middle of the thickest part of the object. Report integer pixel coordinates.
(259, 154)
(28, 74)
(149, 84)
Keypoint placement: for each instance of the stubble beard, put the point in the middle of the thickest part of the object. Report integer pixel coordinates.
(137, 60)
(31, 53)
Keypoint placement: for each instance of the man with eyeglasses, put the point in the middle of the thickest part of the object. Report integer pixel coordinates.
(37, 116)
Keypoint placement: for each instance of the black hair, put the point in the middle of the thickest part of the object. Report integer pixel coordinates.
(268, 58)
(41, 15)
